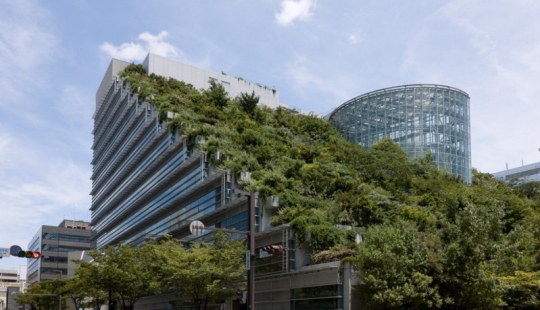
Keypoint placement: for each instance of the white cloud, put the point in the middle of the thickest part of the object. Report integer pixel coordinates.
(475, 46)
(304, 80)
(131, 51)
(292, 10)
(354, 39)
(26, 43)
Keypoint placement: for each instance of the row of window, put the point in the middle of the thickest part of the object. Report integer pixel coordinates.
(57, 248)
(107, 104)
(63, 237)
(113, 192)
(107, 136)
(199, 206)
(111, 157)
(102, 155)
(159, 202)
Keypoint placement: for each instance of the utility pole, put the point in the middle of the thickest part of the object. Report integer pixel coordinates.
(197, 228)
(250, 246)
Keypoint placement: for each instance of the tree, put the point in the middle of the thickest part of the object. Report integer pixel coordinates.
(125, 272)
(217, 94)
(43, 295)
(468, 246)
(206, 273)
(248, 102)
(393, 268)
(83, 291)
(522, 290)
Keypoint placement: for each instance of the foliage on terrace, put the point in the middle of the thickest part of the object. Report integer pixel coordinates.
(431, 241)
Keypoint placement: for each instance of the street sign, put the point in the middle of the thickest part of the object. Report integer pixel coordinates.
(248, 261)
(4, 252)
(196, 228)
(14, 250)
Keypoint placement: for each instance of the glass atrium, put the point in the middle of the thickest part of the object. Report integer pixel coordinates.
(421, 118)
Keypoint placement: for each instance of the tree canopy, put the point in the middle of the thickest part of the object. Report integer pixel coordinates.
(124, 272)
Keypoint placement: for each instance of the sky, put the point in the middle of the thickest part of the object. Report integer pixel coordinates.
(317, 53)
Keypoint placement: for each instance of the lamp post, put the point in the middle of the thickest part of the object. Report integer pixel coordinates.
(250, 246)
(197, 228)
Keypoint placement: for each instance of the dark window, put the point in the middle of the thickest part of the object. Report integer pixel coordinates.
(317, 297)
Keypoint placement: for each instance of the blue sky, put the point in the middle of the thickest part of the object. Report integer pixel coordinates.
(317, 53)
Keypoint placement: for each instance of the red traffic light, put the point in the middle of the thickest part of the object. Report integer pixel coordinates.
(29, 254)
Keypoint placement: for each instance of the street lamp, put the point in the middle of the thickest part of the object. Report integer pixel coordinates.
(197, 228)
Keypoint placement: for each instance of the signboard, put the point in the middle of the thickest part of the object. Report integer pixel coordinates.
(4, 252)
(248, 262)
(196, 228)
(14, 250)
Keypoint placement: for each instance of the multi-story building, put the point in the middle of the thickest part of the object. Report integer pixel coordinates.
(148, 182)
(421, 118)
(9, 281)
(54, 243)
(525, 173)
(8, 277)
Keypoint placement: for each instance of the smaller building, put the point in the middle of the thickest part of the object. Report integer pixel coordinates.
(54, 243)
(9, 280)
(526, 173)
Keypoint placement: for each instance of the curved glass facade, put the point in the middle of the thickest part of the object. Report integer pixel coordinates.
(419, 117)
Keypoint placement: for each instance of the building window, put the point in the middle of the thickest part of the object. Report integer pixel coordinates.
(317, 297)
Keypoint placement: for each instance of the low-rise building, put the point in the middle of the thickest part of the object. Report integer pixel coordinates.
(9, 280)
(525, 173)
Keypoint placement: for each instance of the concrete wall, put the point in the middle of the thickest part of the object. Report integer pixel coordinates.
(12, 293)
(115, 67)
(198, 77)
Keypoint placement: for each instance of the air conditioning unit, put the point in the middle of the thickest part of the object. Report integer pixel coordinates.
(272, 202)
(199, 140)
(245, 176)
(171, 115)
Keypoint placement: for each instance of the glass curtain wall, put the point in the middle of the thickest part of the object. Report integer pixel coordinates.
(420, 118)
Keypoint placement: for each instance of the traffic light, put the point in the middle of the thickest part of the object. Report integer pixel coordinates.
(273, 249)
(16, 250)
(29, 254)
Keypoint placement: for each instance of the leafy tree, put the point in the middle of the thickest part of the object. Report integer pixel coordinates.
(84, 290)
(76, 290)
(248, 102)
(43, 295)
(206, 273)
(217, 94)
(393, 270)
(522, 290)
(126, 272)
(468, 245)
